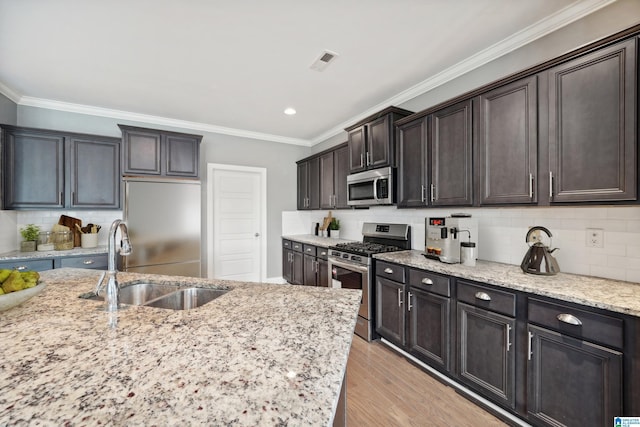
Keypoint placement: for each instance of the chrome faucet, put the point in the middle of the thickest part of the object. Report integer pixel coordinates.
(112, 295)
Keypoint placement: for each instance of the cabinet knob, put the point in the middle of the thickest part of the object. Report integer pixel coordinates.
(427, 281)
(483, 296)
(569, 318)
(388, 270)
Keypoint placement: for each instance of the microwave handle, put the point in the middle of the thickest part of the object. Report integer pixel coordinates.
(375, 189)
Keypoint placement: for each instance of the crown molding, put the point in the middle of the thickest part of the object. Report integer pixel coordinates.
(552, 23)
(10, 93)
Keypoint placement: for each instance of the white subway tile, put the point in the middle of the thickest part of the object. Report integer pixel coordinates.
(608, 272)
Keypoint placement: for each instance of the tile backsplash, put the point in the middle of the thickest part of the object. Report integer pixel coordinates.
(502, 233)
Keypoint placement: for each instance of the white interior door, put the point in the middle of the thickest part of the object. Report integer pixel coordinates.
(236, 218)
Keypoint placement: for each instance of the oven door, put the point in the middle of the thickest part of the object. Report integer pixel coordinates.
(352, 276)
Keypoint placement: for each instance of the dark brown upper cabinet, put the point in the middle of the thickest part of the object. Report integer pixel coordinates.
(160, 153)
(371, 141)
(334, 169)
(507, 143)
(435, 159)
(44, 169)
(309, 184)
(592, 113)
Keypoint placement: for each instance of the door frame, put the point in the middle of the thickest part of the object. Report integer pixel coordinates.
(262, 172)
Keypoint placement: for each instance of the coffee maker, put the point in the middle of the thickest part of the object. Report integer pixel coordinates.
(443, 236)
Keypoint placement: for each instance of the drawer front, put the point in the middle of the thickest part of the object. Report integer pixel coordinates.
(296, 246)
(430, 282)
(32, 265)
(94, 261)
(286, 244)
(309, 250)
(488, 298)
(390, 271)
(581, 324)
(322, 253)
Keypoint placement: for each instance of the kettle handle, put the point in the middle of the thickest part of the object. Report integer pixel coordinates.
(532, 229)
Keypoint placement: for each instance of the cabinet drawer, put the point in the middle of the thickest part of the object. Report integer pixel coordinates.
(430, 282)
(296, 246)
(390, 271)
(322, 253)
(578, 323)
(32, 265)
(286, 244)
(92, 261)
(309, 250)
(489, 298)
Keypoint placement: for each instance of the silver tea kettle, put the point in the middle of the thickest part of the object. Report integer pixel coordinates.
(538, 259)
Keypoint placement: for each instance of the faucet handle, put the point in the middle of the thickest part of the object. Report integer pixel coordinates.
(125, 247)
(99, 285)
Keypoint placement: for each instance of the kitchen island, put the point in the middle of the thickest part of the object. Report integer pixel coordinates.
(260, 354)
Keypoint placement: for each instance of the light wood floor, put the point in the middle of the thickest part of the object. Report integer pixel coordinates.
(384, 389)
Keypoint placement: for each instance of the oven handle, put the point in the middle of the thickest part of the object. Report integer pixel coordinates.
(348, 265)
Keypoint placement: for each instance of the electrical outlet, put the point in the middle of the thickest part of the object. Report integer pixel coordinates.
(595, 238)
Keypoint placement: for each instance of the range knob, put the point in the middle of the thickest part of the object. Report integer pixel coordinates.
(356, 258)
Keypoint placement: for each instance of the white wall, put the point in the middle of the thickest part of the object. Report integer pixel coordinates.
(502, 233)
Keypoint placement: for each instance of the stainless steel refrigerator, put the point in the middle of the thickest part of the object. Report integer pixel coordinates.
(163, 220)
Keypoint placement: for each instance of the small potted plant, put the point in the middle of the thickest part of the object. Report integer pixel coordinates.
(334, 228)
(29, 234)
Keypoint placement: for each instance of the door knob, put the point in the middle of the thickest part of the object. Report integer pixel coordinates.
(257, 234)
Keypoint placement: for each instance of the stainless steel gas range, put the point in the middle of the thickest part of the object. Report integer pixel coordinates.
(352, 266)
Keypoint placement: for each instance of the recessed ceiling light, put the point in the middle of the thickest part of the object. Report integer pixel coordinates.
(290, 111)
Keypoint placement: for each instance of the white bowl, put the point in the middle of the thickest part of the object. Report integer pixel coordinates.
(13, 299)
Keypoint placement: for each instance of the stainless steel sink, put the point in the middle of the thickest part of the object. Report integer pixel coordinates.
(186, 299)
(164, 296)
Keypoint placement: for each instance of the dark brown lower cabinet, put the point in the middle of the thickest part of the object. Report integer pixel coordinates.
(323, 272)
(310, 271)
(429, 326)
(292, 266)
(572, 382)
(486, 354)
(390, 316)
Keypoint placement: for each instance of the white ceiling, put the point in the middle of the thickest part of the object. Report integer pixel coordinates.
(233, 66)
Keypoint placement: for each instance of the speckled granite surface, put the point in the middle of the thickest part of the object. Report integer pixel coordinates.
(259, 355)
(323, 242)
(13, 255)
(622, 297)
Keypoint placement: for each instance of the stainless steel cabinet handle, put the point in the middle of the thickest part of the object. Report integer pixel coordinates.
(88, 261)
(433, 192)
(308, 249)
(409, 301)
(400, 302)
(73, 197)
(323, 253)
(569, 318)
(368, 158)
(550, 185)
(388, 270)
(508, 337)
(60, 198)
(427, 281)
(531, 186)
(21, 267)
(361, 160)
(422, 191)
(483, 296)
(530, 347)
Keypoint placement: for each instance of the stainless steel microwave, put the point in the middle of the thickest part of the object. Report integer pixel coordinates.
(371, 188)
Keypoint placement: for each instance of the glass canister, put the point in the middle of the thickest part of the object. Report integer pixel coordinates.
(63, 240)
(46, 241)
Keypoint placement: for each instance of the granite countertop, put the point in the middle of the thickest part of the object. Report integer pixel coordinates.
(13, 255)
(613, 295)
(261, 354)
(323, 242)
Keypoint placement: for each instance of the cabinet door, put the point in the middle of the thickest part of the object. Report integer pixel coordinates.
(314, 183)
(310, 271)
(572, 382)
(390, 318)
(412, 164)
(507, 143)
(33, 170)
(287, 265)
(303, 185)
(451, 156)
(297, 268)
(340, 172)
(323, 272)
(486, 354)
(592, 126)
(357, 149)
(94, 173)
(378, 153)
(142, 151)
(326, 181)
(429, 329)
(182, 156)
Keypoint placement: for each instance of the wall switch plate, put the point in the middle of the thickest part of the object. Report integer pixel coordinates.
(595, 238)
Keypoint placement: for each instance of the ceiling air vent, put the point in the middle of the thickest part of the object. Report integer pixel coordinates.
(323, 60)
